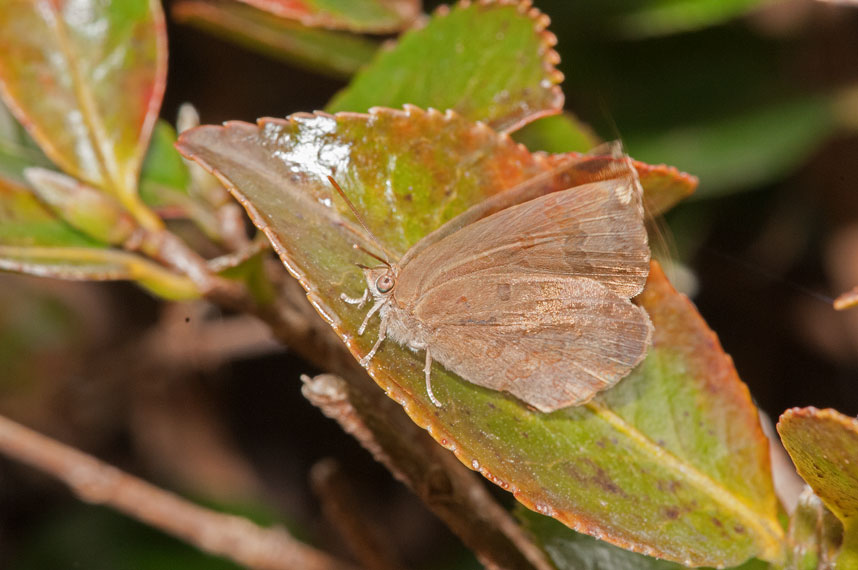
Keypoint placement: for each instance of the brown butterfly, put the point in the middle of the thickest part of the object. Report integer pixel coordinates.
(526, 292)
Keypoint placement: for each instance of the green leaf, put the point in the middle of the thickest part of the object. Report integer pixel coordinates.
(17, 149)
(34, 241)
(164, 165)
(321, 51)
(86, 78)
(659, 17)
(741, 151)
(670, 462)
(814, 534)
(488, 61)
(642, 19)
(569, 550)
(24, 221)
(823, 445)
(165, 182)
(96, 214)
(377, 16)
(97, 264)
(557, 133)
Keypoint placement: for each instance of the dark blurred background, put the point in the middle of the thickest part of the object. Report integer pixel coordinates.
(763, 107)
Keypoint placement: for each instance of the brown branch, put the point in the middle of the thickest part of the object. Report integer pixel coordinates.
(454, 493)
(342, 509)
(224, 535)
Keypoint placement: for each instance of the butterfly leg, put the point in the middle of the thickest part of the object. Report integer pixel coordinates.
(428, 371)
(359, 301)
(382, 334)
(375, 308)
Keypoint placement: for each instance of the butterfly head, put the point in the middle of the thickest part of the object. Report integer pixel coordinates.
(381, 280)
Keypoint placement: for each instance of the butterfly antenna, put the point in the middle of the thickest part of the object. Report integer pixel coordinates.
(371, 254)
(362, 223)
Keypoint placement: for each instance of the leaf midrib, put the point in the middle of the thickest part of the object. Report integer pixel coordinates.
(763, 527)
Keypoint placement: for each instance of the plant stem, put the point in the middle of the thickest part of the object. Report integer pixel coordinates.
(221, 534)
(343, 511)
(451, 491)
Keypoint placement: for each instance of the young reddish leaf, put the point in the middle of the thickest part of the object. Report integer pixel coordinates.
(665, 186)
(378, 16)
(490, 61)
(86, 79)
(823, 445)
(671, 462)
(339, 54)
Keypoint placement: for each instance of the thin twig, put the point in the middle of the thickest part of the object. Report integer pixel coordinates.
(342, 509)
(224, 535)
(454, 493)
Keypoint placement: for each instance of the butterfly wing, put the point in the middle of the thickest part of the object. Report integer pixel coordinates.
(550, 340)
(594, 230)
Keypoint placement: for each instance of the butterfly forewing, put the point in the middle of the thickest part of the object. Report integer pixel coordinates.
(551, 340)
(593, 230)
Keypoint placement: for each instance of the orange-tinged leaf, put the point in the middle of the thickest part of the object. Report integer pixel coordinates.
(86, 79)
(671, 462)
(665, 186)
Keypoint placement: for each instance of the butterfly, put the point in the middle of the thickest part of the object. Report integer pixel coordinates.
(528, 292)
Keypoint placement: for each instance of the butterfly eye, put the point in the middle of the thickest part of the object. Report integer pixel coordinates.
(384, 283)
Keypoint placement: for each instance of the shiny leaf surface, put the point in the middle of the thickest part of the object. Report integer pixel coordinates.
(86, 79)
(671, 454)
(488, 61)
